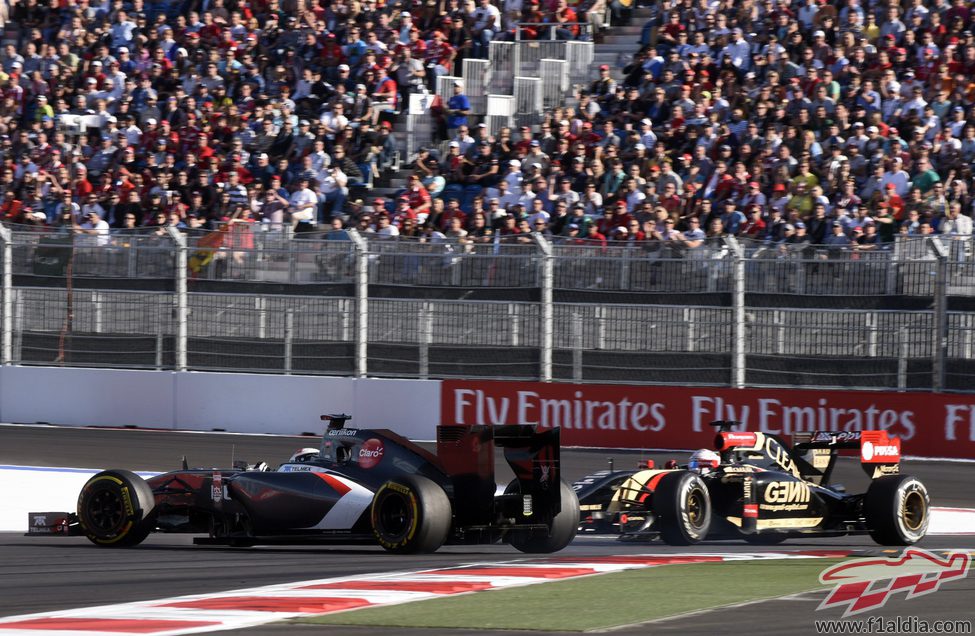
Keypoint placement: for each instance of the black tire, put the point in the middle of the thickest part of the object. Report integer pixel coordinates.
(683, 508)
(765, 538)
(115, 509)
(896, 508)
(561, 532)
(411, 515)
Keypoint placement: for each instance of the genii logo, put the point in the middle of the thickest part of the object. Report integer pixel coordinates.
(371, 453)
(866, 584)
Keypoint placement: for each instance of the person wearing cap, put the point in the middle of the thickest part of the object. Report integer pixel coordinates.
(604, 85)
(836, 240)
(797, 243)
(458, 108)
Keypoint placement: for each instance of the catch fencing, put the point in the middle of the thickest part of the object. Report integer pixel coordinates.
(730, 312)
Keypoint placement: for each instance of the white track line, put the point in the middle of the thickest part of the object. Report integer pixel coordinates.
(236, 609)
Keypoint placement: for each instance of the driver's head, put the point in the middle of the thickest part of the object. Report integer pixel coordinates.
(703, 461)
(304, 455)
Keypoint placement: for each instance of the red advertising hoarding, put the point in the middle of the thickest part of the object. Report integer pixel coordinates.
(624, 416)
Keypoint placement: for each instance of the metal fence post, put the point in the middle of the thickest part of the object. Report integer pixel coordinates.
(737, 313)
(289, 337)
(547, 308)
(514, 320)
(6, 342)
(940, 314)
(902, 354)
(361, 303)
(426, 339)
(576, 347)
(182, 301)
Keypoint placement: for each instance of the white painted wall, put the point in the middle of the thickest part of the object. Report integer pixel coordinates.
(86, 397)
(235, 402)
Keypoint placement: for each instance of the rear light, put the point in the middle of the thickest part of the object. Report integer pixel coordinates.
(624, 519)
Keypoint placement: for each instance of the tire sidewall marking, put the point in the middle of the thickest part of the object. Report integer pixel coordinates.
(908, 488)
(126, 496)
(413, 504)
(686, 490)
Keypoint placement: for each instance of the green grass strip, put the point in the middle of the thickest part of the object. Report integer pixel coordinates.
(599, 602)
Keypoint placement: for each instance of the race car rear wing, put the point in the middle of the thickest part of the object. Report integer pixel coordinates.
(880, 453)
(813, 455)
(467, 454)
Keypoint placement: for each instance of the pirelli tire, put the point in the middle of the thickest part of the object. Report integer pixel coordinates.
(683, 508)
(115, 509)
(410, 515)
(562, 529)
(896, 508)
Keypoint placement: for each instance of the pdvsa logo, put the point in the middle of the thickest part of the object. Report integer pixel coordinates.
(869, 450)
(371, 453)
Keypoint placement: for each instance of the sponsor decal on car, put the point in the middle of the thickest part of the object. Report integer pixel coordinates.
(836, 437)
(371, 453)
(785, 495)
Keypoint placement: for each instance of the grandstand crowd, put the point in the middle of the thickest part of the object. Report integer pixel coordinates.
(841, 123)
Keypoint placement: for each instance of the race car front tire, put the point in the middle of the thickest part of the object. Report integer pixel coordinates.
(896, 508)
(683, 508)
(115, 509)
(562, 530)
(410, 515)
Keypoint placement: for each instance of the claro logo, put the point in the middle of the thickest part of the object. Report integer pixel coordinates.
(371, 453)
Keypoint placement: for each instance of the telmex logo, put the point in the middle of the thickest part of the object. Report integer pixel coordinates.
(786, 492)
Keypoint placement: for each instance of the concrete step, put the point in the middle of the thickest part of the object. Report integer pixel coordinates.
(617, 47)
(628, 40)
(630, 29)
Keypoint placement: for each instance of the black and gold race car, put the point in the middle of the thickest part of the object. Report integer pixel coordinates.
(763, 491)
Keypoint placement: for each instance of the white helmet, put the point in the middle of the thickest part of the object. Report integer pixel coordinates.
(704, 461)
(303, 455)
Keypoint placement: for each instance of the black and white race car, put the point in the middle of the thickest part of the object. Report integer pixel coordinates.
(360, 486)
(759, 489)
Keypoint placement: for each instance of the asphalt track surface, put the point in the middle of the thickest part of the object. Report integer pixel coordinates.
(50, 574)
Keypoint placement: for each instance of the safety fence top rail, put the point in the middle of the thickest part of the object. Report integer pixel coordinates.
(640, 312)
(911, 266)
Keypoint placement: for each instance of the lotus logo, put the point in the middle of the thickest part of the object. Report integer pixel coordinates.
(866, 584)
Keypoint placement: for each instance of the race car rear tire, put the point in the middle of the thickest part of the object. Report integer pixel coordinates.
(562, 530)
(683, 508)
(115, 509)
(896, 508)
(410, 515)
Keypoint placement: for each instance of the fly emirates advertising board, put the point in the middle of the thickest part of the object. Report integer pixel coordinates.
(622, 416)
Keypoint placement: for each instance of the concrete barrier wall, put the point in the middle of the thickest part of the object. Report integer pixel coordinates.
(235, 402)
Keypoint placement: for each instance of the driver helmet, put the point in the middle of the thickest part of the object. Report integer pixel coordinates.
(704, 461)
(303, 455)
